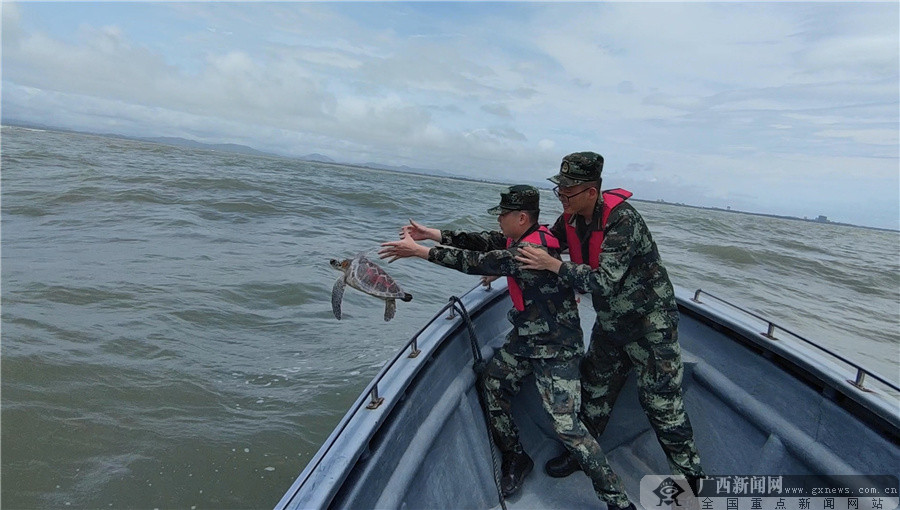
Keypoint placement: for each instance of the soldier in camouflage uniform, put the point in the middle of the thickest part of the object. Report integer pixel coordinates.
(546, 338)
(637, 318)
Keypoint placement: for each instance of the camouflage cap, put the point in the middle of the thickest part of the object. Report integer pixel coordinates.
(520, 197)
(578, 168)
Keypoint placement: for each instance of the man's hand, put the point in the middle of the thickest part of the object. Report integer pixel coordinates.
(420, 232)
(533, 258)
(405, 247)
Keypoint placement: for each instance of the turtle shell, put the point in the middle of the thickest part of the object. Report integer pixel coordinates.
(370, 278)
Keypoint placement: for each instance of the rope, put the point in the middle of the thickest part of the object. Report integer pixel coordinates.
(479, 365)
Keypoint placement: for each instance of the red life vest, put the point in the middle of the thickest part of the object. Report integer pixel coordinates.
(540, 236)
(611, 198)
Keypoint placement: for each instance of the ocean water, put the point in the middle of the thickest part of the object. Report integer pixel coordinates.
(167, 335)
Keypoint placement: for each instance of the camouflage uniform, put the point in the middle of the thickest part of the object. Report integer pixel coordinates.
(636, 327)
(546, 340)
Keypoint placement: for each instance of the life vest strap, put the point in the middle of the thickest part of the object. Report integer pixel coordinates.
(611, 199)
(545, 238)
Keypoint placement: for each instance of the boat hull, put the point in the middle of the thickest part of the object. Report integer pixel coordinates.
(758, 406)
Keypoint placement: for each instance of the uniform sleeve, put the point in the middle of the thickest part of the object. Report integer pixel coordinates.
(491, 263)
(476, 241)
(621, 243)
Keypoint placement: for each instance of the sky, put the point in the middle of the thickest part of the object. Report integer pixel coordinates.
(781, 108)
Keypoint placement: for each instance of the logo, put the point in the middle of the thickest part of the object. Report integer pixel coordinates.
(565, 167)
(668, 492)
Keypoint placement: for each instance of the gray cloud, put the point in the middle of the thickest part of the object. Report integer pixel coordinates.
(731, 98)
(497, 109)
(626, 87)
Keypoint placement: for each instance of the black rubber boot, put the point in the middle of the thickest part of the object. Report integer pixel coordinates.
(562, 466)
(694, 482)
(515, 467)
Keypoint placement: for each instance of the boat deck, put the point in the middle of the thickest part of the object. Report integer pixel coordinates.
(635, 455)
(748, 419)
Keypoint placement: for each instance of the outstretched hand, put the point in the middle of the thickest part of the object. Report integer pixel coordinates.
(533, 258)
(405, 247)
(420, 232)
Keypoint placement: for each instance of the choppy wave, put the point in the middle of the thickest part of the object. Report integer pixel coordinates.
(727, 255)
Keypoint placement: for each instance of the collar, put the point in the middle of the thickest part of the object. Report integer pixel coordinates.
(527, 233)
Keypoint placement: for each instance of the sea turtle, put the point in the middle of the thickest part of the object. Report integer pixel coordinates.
(366, 276)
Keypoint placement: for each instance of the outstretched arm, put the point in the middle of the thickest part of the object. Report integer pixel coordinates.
(485, 263)
(475, 241)
(405, 247)
(420, 232)
(478, 241)
(495, 262)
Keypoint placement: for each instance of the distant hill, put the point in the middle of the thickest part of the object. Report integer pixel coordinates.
(193, 144)
(229, 147)
(321, 158)
(410, 170)
(165, 140)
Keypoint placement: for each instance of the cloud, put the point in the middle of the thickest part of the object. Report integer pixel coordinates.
(626, 87)
(685, 103)
(497, 109)
(12, 19)
(633, 168)
(888, 137)
(713, 99)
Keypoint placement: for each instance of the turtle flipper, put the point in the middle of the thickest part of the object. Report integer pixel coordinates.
(337, 293)
(390, 306)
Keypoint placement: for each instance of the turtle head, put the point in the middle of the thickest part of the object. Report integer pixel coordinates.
(340, 265)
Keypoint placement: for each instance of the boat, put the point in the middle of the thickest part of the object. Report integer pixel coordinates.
(763, 401)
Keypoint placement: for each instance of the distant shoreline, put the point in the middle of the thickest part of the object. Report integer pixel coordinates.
(317, 158)
(782, 217)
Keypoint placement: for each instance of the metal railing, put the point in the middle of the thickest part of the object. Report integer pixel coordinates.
(411, 349)
(861, 373)
(454, 305)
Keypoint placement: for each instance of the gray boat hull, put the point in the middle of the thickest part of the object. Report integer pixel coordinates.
(758, 407)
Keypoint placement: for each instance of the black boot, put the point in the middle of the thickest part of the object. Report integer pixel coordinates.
(694, 483)
(562, 466)
(515, 467)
